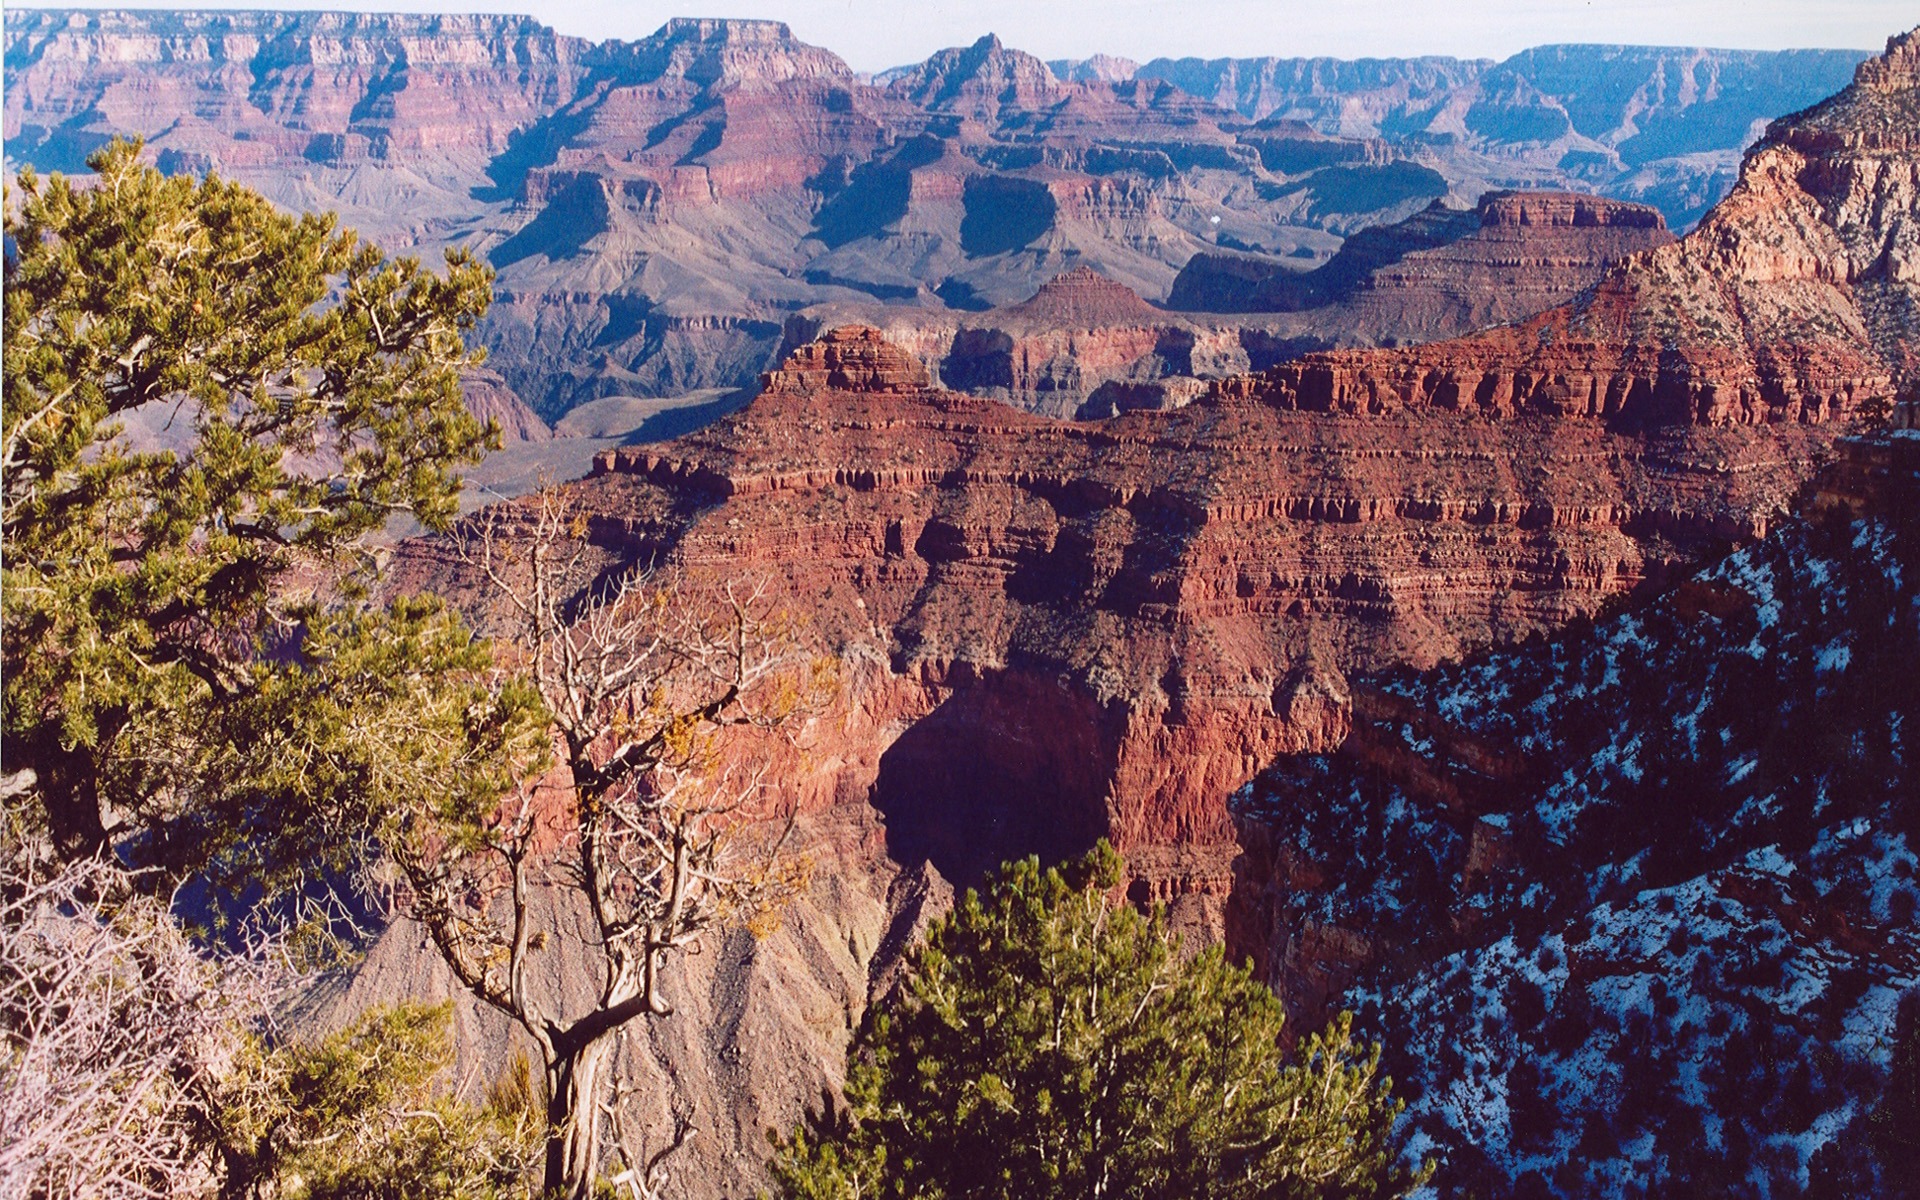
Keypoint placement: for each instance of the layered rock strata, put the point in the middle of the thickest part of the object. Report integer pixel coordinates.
(1105, 629)
(1085, 345)
(1440, 273)
(1053, 631)
(1793, 301)
(657, 209)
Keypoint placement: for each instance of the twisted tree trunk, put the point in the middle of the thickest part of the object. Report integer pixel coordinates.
(573, 1117)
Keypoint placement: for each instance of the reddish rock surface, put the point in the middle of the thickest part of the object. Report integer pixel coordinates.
(1089, 346)
(489, 398)
(849, 359)
(1104, 629)
(1082, 299)
(245, 90)
(1440, 273)
(1085, 345)
(1050, 631)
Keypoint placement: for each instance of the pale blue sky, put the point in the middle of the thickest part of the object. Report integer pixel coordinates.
(873, 34)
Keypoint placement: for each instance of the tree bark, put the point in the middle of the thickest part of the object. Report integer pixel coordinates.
(573, 1118)
(69, 790)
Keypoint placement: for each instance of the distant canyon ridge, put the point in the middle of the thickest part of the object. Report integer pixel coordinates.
(678, 212)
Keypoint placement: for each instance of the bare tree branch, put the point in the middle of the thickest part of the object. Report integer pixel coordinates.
(652, 821)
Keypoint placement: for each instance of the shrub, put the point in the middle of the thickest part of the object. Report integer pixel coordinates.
(1052, 1042)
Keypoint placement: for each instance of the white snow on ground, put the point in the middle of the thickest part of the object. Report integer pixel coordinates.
(1778, 965)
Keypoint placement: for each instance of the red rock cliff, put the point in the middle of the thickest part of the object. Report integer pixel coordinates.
(1086, 630)
(1052, 631)
(1108, 628)
(1794, 300)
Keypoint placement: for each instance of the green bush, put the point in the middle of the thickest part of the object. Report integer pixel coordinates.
(359, 1117)
(1052, 1041)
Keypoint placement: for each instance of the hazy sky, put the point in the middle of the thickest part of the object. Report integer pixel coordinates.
(872, 34)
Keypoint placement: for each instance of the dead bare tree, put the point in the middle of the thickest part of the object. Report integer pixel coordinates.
(137, 1061)
(651, 822)
(116, 1033)
(643, 1173)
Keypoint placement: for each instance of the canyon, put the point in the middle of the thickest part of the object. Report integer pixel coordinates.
(1197, 580)
(659, 210)
(1378, 403)
(1137, 627)
(1087, 346)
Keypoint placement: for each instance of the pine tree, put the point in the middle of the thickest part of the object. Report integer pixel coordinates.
(157, 599)
(1051, 1042)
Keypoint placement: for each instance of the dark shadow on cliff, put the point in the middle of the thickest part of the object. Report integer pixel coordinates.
(672, 422)
(1006, 766)
(539, 144)
(1004, 214)
(873, 195)
(563, 228)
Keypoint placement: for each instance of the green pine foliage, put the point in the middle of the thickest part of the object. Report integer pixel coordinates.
(156, 599)
(1052, 1042)
(197, 684)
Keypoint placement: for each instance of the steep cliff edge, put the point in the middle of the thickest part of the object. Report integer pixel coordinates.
(1637, 879)
(1178, 593)
(1056, 631)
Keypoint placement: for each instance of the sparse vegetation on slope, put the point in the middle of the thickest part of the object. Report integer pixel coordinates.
(1667, 951)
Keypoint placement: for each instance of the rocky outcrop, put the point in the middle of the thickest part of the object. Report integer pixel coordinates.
(978, 81)
(489, 398)
(1082, 299)
(1567, 873)
(720, 54)
(267, 91)
(1085, 347)
(1873, 475)
(850, 359)
(1052, 631)
(1311, 90)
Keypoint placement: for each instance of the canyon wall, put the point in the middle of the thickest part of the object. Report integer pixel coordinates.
(1613, 116)
(1056, 631)
(1190, 586)
(1087, 346)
